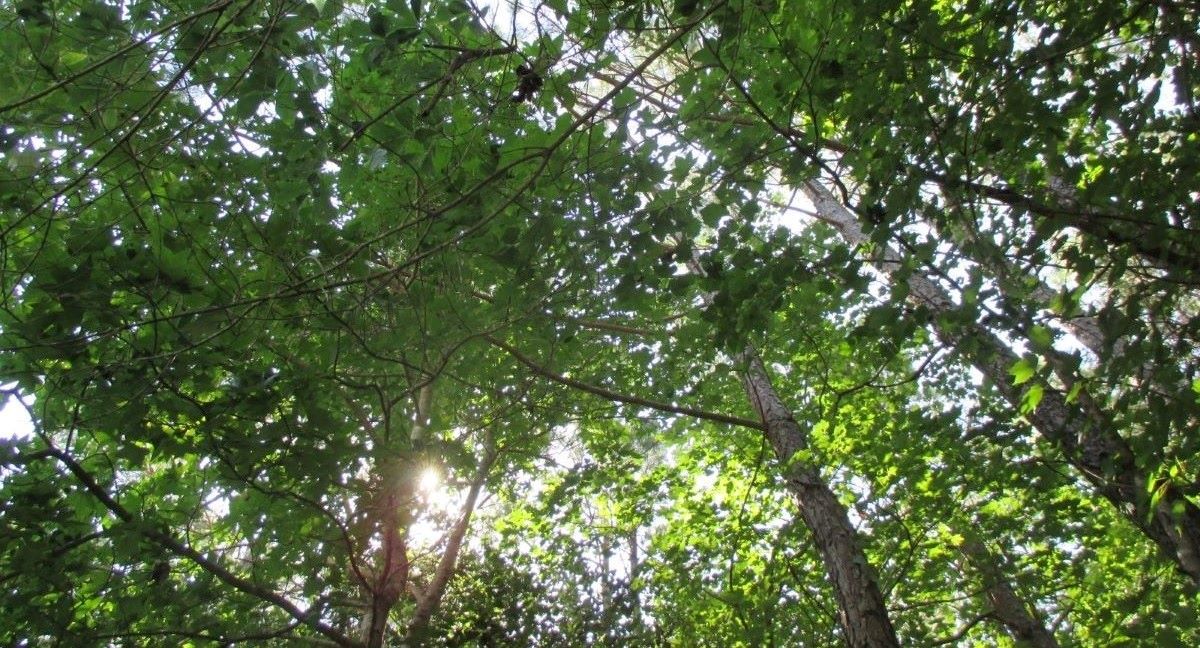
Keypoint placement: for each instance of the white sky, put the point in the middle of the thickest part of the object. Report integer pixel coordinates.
(14, 419)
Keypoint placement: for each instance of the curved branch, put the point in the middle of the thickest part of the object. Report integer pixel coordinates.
(219, 6)
(611, 395)
(306, 617)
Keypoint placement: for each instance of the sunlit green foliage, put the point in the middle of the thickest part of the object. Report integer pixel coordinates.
(269, 266)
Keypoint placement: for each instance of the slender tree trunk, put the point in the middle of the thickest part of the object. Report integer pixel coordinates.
(863, 615)
(1009, 609)
(392, 564)
(429, 600)
(1081, 432)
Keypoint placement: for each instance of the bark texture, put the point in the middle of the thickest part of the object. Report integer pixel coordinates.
(862, 613)
(1008, 608)
(1080, 430)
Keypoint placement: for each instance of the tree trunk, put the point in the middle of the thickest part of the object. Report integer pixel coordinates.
(1140, 238)
(1081, 433)
(1007, 608)
(429, 601)
(863, 615)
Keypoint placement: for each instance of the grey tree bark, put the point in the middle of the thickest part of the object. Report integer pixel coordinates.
(1080, 430)
(862, 613)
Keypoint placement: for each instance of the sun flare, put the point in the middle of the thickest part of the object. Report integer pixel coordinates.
(430, 481)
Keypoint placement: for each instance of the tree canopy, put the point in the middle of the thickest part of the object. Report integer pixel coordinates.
(707, 322)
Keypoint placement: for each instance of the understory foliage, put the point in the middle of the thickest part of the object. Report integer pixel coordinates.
(452, 322)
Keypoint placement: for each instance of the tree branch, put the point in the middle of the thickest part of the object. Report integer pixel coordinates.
(169, 543)
(429, 601)
(611, 395)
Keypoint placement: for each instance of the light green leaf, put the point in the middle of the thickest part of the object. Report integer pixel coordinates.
(1022, 370)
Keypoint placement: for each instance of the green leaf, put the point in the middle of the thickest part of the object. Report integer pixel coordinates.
(377, 22)
(686, 8)
(1022, 370)
(403, 35)
(1041, 338)
(1032, 398)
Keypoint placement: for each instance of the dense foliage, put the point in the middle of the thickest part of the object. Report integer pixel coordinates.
(713, 322)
